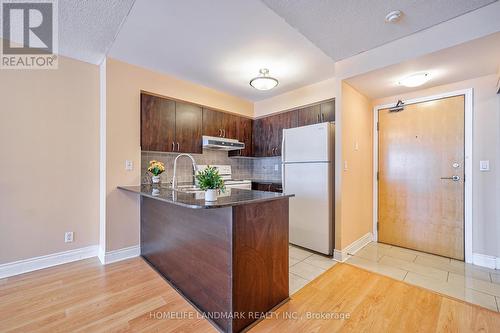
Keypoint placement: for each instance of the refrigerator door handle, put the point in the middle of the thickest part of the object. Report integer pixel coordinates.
(283, 154)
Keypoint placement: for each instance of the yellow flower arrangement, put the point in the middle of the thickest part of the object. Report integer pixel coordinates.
(156, 167)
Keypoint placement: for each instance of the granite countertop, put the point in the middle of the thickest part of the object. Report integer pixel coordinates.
(196, 200)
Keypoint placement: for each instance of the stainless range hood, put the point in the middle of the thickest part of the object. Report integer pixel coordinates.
(216, 143)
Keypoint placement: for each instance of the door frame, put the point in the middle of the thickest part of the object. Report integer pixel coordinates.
(468, 129)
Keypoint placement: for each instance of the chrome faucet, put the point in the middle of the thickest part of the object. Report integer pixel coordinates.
(174, 178)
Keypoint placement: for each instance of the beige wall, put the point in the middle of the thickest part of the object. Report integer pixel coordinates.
(124, 83)
(356, 210)
(49, 147)
(303, 96)
(486, 146)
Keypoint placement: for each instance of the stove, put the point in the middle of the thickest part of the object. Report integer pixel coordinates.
(226, 173)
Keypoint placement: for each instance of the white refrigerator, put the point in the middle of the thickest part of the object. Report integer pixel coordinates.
(308, 172)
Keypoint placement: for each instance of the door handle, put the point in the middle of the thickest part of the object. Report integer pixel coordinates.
(224, 131)
(454, 178)
(173, 146)
(178, 147)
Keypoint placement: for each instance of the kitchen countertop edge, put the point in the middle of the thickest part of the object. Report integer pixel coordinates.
(201, 204)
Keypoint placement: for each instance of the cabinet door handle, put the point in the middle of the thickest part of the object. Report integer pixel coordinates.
(220, 132)
(318, 117)
(178, 147)
(322, 117)
(224, 133)
(173, 146)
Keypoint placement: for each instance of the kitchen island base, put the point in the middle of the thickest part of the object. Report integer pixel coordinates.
(230, 262)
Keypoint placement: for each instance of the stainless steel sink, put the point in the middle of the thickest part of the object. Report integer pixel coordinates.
(187, 189)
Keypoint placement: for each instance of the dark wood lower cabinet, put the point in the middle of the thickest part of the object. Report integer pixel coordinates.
(231, 260)
(267, 187)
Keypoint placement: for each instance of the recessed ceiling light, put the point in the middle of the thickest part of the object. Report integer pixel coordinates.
(415, 80)
(393, 16)
(263, 81)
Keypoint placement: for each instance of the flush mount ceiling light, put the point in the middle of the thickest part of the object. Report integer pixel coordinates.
(393, 16)
(415, 80)
(263, 81)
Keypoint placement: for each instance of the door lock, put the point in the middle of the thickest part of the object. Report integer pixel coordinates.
(454, 178)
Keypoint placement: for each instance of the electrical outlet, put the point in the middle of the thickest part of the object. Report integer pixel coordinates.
(68, 237)
(129, 165)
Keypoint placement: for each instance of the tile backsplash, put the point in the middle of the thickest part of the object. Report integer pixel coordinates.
(242, 168)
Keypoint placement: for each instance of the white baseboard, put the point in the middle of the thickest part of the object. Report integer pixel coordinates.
(484, 260)
(352, 248)
(36, 263)
(120, 254)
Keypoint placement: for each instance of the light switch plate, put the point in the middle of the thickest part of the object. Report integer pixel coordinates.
(129, 165)
(484, 165)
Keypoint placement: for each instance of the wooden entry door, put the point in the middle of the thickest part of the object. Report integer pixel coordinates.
(420, 149)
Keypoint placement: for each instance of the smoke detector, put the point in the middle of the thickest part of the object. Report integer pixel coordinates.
(393, 17)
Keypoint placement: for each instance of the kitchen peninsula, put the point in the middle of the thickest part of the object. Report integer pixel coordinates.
(229, 258)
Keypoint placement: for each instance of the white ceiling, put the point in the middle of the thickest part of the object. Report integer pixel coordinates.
(221, 44)
(465, 61)
(87, 28)
(343, 28)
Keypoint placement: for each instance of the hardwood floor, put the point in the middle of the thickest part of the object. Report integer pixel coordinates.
(125, 296)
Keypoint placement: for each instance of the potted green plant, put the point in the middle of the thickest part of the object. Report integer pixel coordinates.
(210, 181)
(156, 168)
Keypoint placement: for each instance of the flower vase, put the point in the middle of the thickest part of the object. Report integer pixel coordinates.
(211, 195)
(155, 179)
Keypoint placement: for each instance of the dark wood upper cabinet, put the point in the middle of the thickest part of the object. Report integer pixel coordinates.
(212, 122)
(220, 124)
(279, 123)
(170, 126)
(328, 111)
(309, 115)
(243, 132)
(173, 126)
(260, 137)
(157, 123)
(230, 126)
(188, 128)
(268, 133)
(316, 114)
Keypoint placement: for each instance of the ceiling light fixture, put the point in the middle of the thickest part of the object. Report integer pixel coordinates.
(415, 80)
(263, 81)
(393, 16)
